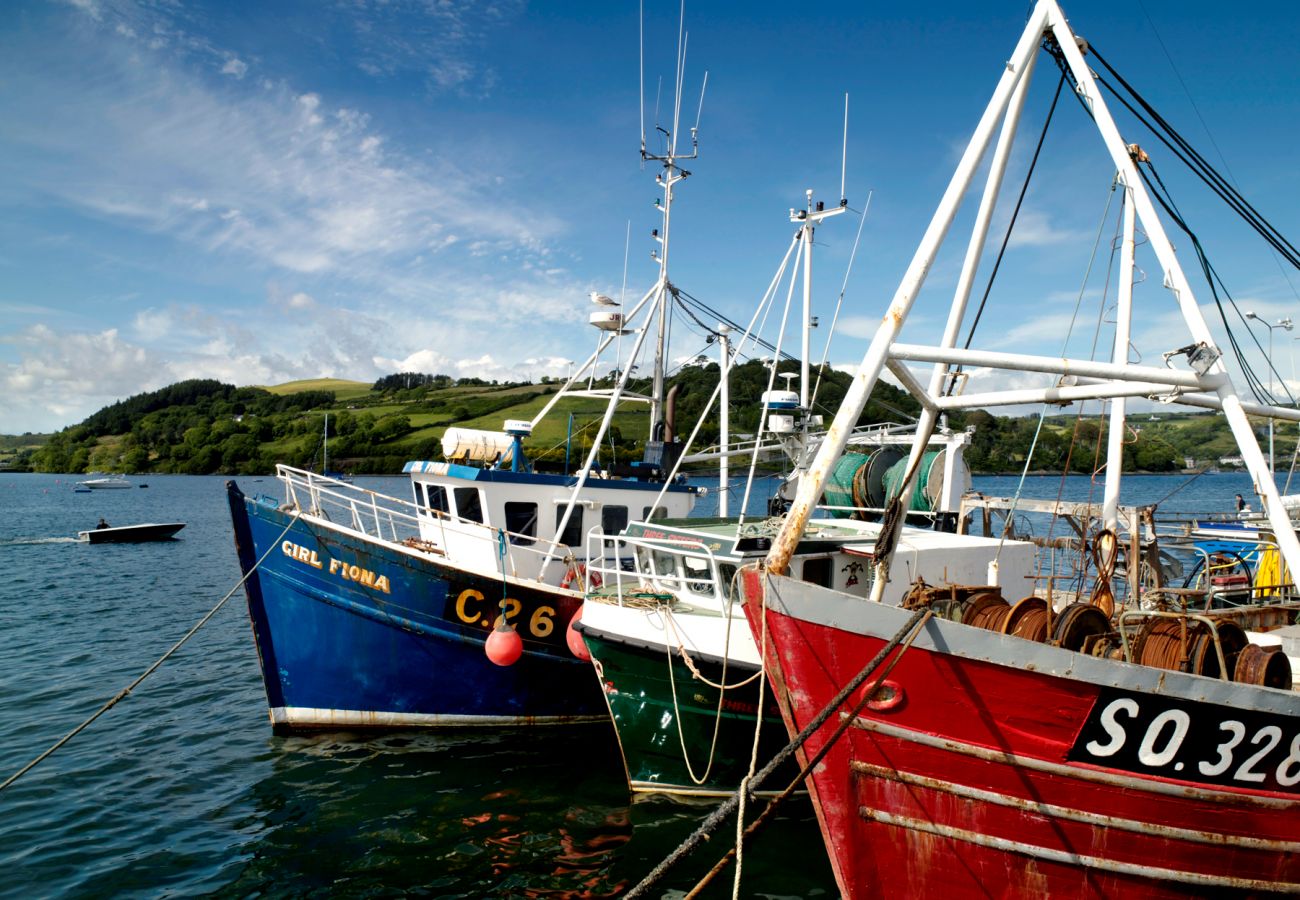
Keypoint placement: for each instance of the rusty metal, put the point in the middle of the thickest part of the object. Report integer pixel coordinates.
(1030, 619)
(1264, 666)
(987, 611)
(1079, 626)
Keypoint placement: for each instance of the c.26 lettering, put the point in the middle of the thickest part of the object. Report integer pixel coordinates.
(540, 624)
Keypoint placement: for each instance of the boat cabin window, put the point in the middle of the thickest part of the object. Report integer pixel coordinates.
(699, 579)
(665, 563)
(435, 498)
(521, 522)
(572, 536)
(726, 575)
(650, 513)
(468, 504)
(817, 571)
(613, 519)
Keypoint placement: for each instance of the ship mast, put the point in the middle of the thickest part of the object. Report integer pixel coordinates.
(667, 180)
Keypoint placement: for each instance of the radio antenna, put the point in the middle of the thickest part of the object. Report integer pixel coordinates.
(699, 112)
(641, 84)
(627, 244)
(844, 155)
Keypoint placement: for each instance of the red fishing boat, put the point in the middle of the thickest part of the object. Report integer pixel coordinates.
(1129, 740)
(987, 765)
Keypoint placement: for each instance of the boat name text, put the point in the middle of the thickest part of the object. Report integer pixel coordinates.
(336, 567)
(1189, 741)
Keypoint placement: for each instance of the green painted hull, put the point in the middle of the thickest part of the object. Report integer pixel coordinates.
(641, 701)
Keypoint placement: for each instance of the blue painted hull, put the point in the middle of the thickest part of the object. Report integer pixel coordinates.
(354, 633)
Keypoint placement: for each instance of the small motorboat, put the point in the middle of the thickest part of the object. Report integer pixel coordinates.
(110, 482)
(130, 534)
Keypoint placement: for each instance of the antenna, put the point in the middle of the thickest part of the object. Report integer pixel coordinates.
(700, 112)
(659, 90)
(641, 80)
(844, 155)
(627, 243)
(681, 64)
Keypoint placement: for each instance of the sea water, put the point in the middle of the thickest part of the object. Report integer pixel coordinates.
(181, 789)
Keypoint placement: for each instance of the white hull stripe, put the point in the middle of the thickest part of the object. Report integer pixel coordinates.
(1128, 782)
(1075, 859)
(1070, 814)
(308, 717)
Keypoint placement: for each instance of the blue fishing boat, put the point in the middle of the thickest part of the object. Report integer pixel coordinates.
(370, 611)
(452, 608)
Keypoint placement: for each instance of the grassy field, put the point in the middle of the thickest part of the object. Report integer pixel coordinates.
(343, 388)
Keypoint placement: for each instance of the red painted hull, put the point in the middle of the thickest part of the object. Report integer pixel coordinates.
(971, 782)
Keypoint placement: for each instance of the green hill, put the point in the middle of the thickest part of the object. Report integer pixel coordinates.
(204, 426)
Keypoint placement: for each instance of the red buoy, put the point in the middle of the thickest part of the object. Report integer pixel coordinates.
(504, 645)
(577, 646)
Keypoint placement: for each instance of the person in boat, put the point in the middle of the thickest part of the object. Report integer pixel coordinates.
(102, 524)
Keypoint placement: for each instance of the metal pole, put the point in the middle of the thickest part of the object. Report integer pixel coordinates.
(811, 486)
(805, 349)
(1119, 356)
(724, 416)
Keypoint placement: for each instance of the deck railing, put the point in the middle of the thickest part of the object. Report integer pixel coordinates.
(388, 518)
(602, 548)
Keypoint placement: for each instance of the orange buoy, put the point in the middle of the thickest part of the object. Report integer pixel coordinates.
(577, 646)
(504, 646)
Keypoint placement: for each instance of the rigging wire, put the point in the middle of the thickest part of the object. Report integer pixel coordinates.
(1171, 138)
(1160, 194)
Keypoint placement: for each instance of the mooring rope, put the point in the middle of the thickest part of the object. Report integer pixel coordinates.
(773, 804)
(716, 817)
(120, 695)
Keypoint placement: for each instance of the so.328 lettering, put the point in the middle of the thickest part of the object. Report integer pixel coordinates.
(1194, 742)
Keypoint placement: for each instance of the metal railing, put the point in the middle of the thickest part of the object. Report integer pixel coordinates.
(388, 518)
(616, 546)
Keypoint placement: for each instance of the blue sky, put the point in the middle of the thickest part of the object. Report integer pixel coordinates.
(260, 192)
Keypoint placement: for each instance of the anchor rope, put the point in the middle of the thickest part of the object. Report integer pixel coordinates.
(122, 694)
(715, 818)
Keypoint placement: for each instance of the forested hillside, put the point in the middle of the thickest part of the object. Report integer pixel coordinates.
(204, 426)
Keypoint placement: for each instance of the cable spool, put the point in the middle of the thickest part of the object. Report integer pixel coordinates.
(916, 500)
(877, 466)
(843, 485)
(1028, 619)
(987, 611)
(1079, 627)
(1263, 666)
(1205, 661)
(934, 478)
(1159, 643)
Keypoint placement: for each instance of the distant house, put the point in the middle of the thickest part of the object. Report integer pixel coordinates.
(1232, 461)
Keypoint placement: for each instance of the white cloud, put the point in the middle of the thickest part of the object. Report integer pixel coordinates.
(235, 66)
(301, 300)
(1035, 229)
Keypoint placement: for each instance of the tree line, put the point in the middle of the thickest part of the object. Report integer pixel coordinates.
(203, 426)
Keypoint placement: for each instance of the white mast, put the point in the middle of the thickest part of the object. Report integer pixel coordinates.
(1119, 356)
(724, 418)
(672, 173)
